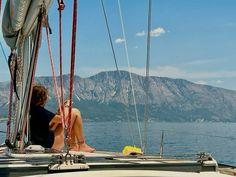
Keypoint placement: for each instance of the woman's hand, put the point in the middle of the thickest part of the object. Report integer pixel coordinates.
(67, 103)
(55, 122)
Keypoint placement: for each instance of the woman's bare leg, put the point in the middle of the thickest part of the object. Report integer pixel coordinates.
(73, 142)
(58, 138)
(78, 133)
(77, 141)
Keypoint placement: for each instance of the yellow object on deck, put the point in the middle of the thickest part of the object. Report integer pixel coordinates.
(131, 150)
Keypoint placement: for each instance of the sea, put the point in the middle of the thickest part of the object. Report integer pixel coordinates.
(179, 139)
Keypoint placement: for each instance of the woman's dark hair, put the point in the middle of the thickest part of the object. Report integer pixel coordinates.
(39, 95)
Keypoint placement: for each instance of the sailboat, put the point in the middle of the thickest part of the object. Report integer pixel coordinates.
(23, 21)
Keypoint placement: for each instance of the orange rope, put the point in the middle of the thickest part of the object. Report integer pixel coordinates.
(54, 76)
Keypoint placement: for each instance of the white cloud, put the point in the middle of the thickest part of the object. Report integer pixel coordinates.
(175, 72)
(201, 82)
(157, 32)
(198, 62)
(214, 77)
(139, 34)
(166, 71)
(211, 82)
(218, 82)
(90, 71)
(119, 40)
(230, 24)
(154, 32)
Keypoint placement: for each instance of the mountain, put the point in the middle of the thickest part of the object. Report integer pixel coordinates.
(104, 97)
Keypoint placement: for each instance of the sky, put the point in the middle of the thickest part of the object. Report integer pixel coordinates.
(190, 39)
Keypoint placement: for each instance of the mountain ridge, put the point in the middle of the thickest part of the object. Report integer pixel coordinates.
(105, 96)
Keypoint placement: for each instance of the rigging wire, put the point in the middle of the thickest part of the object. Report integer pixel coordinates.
(130, 77)
(110, 39)
(147, 73)
(119, 74)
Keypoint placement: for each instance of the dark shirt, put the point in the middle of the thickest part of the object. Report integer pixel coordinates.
(39, 126)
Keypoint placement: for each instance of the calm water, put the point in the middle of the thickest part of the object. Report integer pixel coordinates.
(219, 139)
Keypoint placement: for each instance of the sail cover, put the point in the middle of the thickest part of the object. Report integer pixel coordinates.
(18, 11)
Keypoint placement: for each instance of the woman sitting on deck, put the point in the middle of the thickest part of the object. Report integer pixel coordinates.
(46, 128)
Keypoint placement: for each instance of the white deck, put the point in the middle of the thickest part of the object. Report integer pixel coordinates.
(133, 173)
(116, 160)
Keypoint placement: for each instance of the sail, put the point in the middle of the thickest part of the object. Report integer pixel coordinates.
(21, 27)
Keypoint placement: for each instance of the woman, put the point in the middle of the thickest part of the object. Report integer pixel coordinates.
(46, 127)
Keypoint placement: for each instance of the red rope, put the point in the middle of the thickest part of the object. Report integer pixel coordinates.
(72, 66)
(61, 7)
(9, 112)
(54, 75)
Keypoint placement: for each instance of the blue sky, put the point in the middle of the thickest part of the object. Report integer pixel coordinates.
(191, 39)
